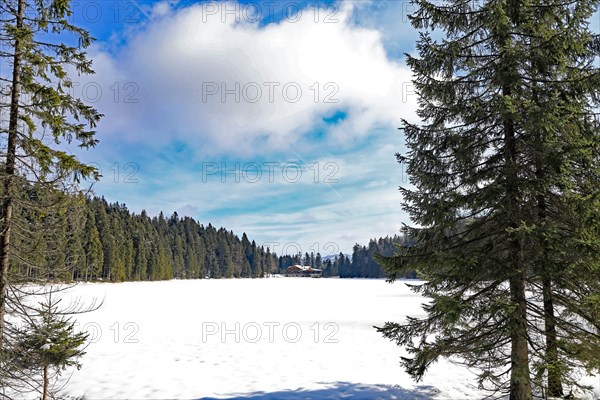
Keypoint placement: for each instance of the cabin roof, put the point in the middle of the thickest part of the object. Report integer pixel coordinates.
(306, 268)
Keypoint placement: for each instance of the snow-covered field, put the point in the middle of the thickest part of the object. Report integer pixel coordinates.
(276, 338)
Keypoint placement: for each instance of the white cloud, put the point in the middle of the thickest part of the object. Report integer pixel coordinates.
(169, 130)
(357, 202)
(174, 62)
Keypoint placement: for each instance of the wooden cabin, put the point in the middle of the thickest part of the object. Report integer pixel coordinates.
(303, 271)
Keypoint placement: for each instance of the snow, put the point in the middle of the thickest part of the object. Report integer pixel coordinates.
(287, 338)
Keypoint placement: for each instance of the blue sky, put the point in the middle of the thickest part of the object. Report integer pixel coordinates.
(275, 118)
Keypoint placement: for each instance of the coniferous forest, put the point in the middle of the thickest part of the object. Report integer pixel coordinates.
(365, 262)
(102, 241)
(113, 244)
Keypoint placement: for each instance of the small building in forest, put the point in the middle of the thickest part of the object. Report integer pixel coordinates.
(303, 271)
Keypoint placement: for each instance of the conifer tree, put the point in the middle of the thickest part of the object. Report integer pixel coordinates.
(39, 106)
(94, 256)
(318, 261)
(47, 344)
(507, 106)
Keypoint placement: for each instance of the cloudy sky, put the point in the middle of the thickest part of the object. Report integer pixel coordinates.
(275, 118)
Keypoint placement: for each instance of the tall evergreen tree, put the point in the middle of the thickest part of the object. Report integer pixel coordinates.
(562, 90)
(506, 100)
(318, 261)
(94, 256)
(39, 107)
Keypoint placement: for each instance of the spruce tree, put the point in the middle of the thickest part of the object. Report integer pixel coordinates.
(562, 92)
(39, 106)
(94, 256)
(47, 345)
(506, 100)
(318, 261)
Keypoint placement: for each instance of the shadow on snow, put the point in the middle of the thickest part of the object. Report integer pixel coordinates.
(340, 390)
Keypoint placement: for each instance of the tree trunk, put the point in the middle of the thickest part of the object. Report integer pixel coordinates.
(554, 376)
(520, 380)
(551, 356)
(11, 152)
(46, 382)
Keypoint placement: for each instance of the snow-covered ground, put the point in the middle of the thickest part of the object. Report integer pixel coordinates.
(286, 338)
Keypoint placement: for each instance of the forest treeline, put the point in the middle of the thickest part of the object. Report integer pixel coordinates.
(105, 241)
(118, 245)
(364, 258)
(363, 262)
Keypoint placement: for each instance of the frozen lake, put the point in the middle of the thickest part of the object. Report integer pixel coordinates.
(275, 338)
